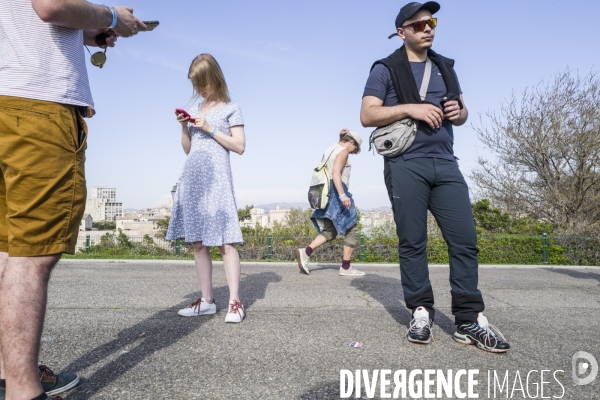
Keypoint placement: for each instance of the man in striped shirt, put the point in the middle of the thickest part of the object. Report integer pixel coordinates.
(44, 91)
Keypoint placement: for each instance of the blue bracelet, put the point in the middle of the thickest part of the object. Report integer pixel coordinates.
(114, 20)
(212, 134)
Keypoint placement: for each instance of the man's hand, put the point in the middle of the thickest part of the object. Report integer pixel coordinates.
(127, 24)
(428, 113)
(81, 15)
(451, 110)
(89, 37)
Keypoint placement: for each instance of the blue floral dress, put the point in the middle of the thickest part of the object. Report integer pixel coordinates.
(204, 207)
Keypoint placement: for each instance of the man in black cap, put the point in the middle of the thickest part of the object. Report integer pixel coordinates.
(426, 176)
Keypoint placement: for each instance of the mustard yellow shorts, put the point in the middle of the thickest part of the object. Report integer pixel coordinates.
(42, 179)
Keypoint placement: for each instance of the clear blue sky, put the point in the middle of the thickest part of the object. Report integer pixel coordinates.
(298, 69)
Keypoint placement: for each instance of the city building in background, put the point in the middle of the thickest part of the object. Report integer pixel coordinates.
(136, 226)
(86, 223)
(266, 219)
(258, 216)
(142, 222)
(103, 204)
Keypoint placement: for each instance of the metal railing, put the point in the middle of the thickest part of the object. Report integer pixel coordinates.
(493, 249)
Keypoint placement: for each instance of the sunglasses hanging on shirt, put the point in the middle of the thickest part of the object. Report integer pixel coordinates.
(98, 59)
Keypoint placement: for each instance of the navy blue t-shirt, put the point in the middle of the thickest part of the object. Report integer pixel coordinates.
(428, 142)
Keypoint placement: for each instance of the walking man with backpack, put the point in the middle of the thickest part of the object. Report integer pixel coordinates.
(426, 177)
(338, 216)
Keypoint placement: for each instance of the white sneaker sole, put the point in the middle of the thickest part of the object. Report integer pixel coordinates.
(208, 312)
(352, 274)
(300, 263)
(234, 320)
(64, 388)
(468, 341)
(420, 341)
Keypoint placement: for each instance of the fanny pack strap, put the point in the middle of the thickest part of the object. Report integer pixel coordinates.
(422, 92)
(426, 78)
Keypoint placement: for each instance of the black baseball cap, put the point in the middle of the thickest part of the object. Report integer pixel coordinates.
(411, 9)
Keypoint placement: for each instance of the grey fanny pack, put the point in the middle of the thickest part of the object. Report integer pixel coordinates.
(394, 139)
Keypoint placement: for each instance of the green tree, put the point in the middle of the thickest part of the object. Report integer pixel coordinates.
(297, 223)
(163, 226)
(107, 240)
(104, 225)
(147, 240)
(493, 220)
(123, 240)
(546, 153)
(244, 214)
(490, 219)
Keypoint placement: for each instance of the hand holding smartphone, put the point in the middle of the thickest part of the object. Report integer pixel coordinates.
(101, 38)
(185, 114)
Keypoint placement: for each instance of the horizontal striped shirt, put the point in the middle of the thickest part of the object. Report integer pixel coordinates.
(39, 60)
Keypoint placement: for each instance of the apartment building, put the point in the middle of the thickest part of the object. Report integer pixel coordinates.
(266, 219)
(103, 205)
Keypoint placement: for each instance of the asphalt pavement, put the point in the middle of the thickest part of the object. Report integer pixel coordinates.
(116, 324)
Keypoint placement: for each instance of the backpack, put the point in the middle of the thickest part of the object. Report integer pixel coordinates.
(318, 192)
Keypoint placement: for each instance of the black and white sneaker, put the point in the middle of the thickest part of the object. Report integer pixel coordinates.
(420, 327)
(485, 335)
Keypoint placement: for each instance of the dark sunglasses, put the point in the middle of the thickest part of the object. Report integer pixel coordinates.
(419, 26)
(99, 58)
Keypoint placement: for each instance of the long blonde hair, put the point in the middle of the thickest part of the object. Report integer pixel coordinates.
(206, 70)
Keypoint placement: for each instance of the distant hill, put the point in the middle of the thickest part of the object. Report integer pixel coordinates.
(129, 210)
(283, 206)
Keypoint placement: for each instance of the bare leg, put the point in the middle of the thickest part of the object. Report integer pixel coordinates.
(3, 260)
(348, 253)
(204, 267)
(233, 270)
(23, 297)
(319, 241)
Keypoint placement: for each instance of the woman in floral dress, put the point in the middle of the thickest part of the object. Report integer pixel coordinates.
(204, 208)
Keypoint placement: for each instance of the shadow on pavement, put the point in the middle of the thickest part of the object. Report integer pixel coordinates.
(388, 292)
(321, 266)
(160, 331)
(575, 273)
(322, 391)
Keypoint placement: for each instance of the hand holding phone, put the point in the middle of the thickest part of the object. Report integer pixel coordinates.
(185, 114)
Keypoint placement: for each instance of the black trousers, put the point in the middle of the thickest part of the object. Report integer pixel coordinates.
(437, 185)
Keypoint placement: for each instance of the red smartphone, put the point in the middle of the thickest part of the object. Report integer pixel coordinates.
(185, 114)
